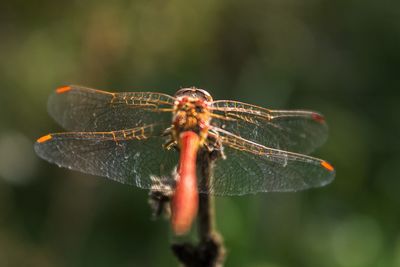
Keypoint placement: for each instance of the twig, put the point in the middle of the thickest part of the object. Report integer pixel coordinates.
(210, 251)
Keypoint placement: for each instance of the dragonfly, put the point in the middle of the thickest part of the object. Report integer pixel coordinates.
(153, 140)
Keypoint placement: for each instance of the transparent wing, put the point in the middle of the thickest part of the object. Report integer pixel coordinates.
(251, 168)
(292, 130)
(134, 157)
(79, 108)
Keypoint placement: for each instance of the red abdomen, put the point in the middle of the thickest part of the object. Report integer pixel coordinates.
(186, 199)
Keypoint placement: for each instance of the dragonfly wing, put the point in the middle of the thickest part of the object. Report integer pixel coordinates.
(292, 130)
(134, 157)
(251, 168)
(79, 108)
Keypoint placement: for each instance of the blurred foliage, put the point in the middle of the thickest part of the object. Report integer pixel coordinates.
(338, 57)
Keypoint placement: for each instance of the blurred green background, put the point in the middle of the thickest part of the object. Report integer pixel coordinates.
(338, 57)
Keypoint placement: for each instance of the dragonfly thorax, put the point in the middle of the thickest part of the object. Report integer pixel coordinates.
(191, 113)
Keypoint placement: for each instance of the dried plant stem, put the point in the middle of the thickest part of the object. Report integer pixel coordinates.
(209, 252)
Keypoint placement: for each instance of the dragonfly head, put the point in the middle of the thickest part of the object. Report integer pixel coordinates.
(194, 92)
(191, 112)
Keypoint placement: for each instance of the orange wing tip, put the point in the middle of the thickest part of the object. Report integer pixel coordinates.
(327, 166)
(318, 117)
(63, 89)
(44, 138)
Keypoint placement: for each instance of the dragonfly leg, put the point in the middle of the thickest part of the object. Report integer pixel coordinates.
(170, 143)
(213, 145)
(161, 192)
(168, 131)
(159, 204)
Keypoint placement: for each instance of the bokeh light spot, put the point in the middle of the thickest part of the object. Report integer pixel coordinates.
(17, 158)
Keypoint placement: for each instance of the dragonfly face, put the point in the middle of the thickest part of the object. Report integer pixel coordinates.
(121, 136)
